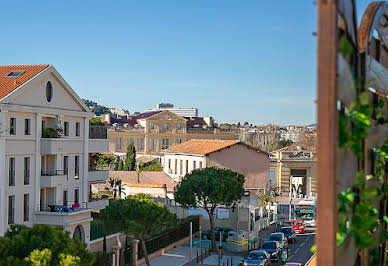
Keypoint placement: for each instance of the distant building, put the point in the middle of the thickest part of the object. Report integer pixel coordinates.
(181, 159)
(185, 112)
(152, 132)
(118, 111)
(297, 165)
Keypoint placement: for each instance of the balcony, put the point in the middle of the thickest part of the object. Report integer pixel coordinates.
(61, 215)
(98, 174)
(53, 178)
(61, 145)
(98, 139)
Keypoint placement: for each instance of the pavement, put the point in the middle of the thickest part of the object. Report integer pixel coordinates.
(179, 256)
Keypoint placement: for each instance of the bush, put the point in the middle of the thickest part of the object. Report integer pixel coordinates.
(154, 167)
(51, 132)
(102, 258)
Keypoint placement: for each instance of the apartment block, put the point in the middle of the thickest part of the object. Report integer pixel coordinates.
(45, 143)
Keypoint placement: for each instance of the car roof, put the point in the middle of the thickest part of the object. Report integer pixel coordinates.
(277, 233)
(297, 220)
(270, 241)
(287, 227)
(258, 251)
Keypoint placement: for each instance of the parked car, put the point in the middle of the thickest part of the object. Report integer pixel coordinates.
(293, 264)
(310, 223)
(257, 258)
(272, 248)
(225, 230)
(298, 226)
(290, 233)
(281, 238)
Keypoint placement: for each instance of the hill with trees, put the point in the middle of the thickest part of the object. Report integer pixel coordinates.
(96, 108)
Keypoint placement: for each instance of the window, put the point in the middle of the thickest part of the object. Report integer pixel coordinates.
(181, 167)
(27, 126)
(165, 126)
(140, 144)
(165, 144)
(77, 129)
(200, 165)
(65, 164)
(176, 166)
(178, 141)
(169, 164)
(65, 198)
(118, 144)
(194, 165)
(76, 195)
(12, 126)
(26, 211)
(11, 209)
(11, 171)
(152, 144)
(15, 73)
(26, 170)
(76, 167)
(129, 141)
(178, 126)
(66, 128)
(272, 177)
(187, 166)
(152, 125)
(49, 92)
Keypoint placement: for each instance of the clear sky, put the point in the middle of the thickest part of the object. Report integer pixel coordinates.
(234, 60)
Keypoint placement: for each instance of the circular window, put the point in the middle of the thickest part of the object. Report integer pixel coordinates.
(49, 91)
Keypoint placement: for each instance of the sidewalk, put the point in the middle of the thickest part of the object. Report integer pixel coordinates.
(175, 257)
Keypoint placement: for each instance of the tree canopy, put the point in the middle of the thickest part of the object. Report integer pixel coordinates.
(139, 216)
(42, 245)
(130, 158)
(95, 121)
(210, 188)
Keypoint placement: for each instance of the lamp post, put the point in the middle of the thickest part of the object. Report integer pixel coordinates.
(289, 208)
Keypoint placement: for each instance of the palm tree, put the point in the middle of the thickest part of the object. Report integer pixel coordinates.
(116, 185)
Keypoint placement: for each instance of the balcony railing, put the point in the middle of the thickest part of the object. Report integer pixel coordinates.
(68, 207)
(53, 172)
(98, 132)
(99, 168)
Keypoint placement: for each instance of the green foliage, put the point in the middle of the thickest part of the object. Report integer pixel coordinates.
(21, 242)
(345, 47)
(130, 158)
(119, 164)
(96, 108)
(51, 132)
(117, 187)
(68, 260)
(152, 167)
(139, 216)
(39, 257)
(358, 216)
(265, 199)
(102, 259)
(95, 121)
(210, 188)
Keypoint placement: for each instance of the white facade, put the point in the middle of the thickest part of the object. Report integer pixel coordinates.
(177, 166)
(42, 173)
(185, 112)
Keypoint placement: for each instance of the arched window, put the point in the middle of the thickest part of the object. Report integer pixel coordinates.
(79, 233)
(49, 91)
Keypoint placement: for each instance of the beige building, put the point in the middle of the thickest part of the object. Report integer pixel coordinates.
(152, 132)
(295, 165)
(181, 159)
(45, 142)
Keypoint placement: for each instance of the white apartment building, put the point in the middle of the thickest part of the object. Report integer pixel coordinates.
(185, 112)
(45, 142)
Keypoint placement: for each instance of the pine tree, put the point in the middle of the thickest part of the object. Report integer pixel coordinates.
(118, 164)
(130, 158)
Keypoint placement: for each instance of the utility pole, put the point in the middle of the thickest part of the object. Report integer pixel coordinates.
(191, 243)
(289, 208)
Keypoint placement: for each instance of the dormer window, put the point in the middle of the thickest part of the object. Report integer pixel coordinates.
(49, 92)
(15, 73)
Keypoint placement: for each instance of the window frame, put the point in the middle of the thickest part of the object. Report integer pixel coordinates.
(27, 126)
(12, 126)
(66, 128)
(11, 209)
(76, 166)
(11, 171)
(26, 207)
(77, 129)
(27, 170)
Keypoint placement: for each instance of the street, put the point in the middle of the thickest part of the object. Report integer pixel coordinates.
(300, 250)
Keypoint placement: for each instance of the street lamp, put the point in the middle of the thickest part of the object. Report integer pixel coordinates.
(289, 208)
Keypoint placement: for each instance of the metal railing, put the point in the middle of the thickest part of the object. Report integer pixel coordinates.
(69, 207)
(100, 167)
(98, 132)
(53, 172)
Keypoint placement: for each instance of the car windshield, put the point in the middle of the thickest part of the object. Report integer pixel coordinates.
(297, 223)
(286, 230)
(269, 245)
(256, 256)
(276, 237)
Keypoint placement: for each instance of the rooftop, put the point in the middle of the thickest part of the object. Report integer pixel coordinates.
(201, 146)
(13, 76)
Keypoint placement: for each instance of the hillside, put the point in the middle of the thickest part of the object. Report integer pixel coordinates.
(96, 108)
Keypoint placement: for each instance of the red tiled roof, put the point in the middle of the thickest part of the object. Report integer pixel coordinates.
(9, 84)
(196, 121)
(201, 146)
(151, 178)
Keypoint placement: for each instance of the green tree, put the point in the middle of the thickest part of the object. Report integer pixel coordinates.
(153, 167)
(130, 158)
(139, 216)
(95, 121)
(210, 188)
(22, 245)
(117, 187)
(119, 164)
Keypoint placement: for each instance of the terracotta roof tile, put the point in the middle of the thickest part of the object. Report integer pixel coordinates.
(9, 84)
(201, 146)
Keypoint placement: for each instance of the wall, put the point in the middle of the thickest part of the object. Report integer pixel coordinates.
(111, 240)
(174, 170)
(253, 165)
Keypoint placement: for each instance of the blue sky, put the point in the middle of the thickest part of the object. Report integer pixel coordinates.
(234, 60)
